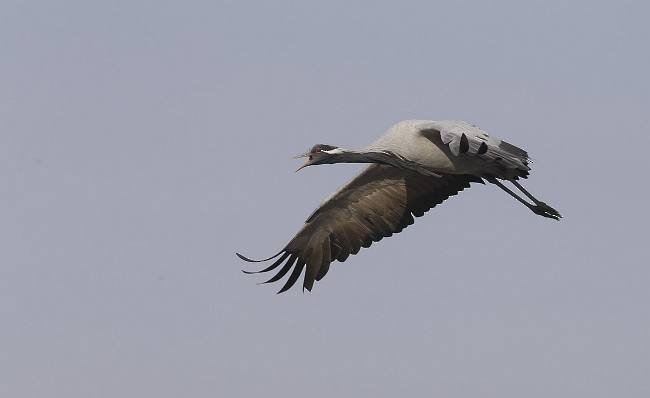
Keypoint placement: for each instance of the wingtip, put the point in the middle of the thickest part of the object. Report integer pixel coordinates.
(286, 287)
(241, 256)
(244, 258)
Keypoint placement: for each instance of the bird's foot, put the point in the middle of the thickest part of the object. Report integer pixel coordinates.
(545, 210)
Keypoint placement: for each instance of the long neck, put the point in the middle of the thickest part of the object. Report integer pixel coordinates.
(348, 156)
(383, 157)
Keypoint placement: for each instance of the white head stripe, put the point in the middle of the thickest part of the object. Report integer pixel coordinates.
(334, 151)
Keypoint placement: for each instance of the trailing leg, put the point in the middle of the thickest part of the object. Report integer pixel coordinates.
(539, 208)
(543, 206)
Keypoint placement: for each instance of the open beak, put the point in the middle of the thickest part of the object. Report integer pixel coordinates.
(302, 167)
(307, 163)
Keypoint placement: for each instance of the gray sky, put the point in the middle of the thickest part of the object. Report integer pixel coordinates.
(142, 143)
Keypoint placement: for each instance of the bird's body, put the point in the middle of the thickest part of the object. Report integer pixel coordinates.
(439, 146)
(415, 165)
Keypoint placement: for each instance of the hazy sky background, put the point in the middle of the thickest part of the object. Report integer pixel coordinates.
(143, 142)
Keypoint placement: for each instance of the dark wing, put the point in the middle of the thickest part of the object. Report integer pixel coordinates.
(377, 203)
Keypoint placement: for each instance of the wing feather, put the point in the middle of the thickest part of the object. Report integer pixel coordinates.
(378, 203)
(295, 274)
(465, 139)
(283, 271)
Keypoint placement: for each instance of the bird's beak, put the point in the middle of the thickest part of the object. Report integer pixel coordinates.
(302, 167)
(307, 163)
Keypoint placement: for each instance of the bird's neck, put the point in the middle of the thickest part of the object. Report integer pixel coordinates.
(350, 156)
(381, 157)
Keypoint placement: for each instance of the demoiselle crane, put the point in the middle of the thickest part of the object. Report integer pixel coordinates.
(415, 165)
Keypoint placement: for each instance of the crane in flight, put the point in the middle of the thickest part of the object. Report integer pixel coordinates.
(414, 166)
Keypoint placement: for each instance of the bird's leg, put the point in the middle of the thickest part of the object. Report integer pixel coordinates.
(514, 195)
(522, 189)
(535, 209)
(541, 205)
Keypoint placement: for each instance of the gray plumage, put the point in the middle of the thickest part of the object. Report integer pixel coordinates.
(415, 165)
(452, 147)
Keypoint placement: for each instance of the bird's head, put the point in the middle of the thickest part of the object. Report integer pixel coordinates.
(320, 154)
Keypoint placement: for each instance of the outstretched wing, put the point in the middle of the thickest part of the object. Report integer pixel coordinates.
(377, 203)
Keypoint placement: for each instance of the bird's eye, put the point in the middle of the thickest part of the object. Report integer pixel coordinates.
(311, 157)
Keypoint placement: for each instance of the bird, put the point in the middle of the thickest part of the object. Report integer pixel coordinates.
(414, 166)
